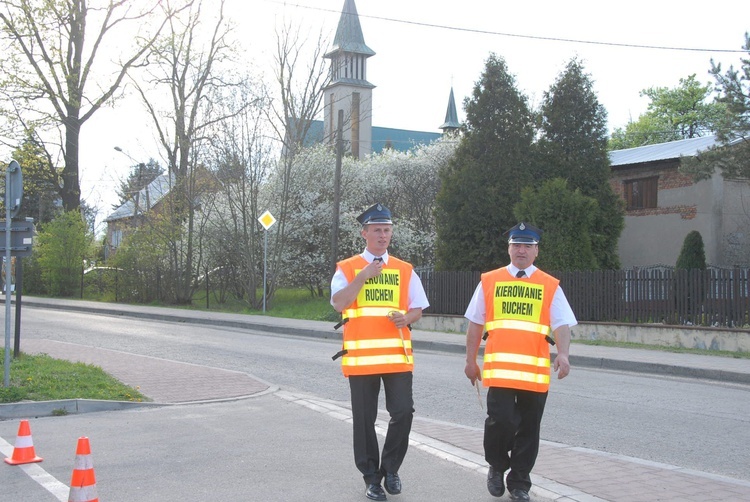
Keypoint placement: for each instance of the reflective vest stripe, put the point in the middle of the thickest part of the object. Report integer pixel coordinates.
(504, 357)
(377, 343)
(518, 325)
(375, 360)
(520, 376)
(369, 312)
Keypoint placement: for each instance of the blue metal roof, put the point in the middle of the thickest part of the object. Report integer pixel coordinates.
(401, 140)
(661, 151)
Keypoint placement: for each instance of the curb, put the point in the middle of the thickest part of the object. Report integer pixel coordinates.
(36, 409)
(660, 369)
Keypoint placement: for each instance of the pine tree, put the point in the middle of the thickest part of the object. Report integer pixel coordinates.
(573, 146)
(567, 216)
(693, 254)
(733, 127)
(483, 181)
(40, 194)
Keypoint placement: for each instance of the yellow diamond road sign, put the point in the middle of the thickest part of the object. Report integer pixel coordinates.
(267, 220)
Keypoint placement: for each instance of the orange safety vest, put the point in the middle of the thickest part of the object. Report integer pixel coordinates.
(517, 320)
(372, 342)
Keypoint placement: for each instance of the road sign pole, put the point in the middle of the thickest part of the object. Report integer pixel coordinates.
(267, 220)
(13, 197)
(265, 254)
(8, 199)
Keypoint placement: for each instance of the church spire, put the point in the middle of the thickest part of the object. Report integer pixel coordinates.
(451, 117)
(349, 37)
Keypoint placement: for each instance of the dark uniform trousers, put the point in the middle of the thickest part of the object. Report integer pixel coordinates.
(400, 405)
(511, 433)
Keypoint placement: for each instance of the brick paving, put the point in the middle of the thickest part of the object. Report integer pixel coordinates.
(606, 476)
(161, 380)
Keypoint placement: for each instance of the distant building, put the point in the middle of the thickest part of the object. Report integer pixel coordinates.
(664, 205)
(347, 91)
(123, 220)
(349, 95)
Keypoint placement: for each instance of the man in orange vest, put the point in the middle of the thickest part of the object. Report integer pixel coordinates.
(518, 306)
(379, 297)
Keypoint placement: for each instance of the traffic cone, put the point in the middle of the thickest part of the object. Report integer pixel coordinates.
(83, 482)
(23, 452)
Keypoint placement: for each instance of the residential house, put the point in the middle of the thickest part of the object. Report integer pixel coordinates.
(664, 205)
(128, 216)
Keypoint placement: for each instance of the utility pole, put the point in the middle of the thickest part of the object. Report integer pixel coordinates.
(337, 191)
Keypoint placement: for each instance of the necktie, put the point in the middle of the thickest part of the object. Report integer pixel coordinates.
(520, 273)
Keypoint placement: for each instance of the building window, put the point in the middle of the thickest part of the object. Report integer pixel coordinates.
(641, 193)
(116, 238)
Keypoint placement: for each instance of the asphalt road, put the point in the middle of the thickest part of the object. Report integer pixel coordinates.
(686, 422)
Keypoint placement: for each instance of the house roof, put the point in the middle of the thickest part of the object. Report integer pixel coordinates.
(149, 196)
(661, 151)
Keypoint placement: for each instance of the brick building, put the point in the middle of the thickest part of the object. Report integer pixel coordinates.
(664, 205)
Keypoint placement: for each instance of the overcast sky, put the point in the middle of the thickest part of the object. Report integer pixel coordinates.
(425, 47)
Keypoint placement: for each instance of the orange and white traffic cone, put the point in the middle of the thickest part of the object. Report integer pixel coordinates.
(83, 482)
(23, 452)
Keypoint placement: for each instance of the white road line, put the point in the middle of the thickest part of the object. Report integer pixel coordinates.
(543, 487)
(35, 472)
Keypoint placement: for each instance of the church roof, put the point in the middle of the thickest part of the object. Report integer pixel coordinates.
(451, 117)
(349, 37)
(401, 140)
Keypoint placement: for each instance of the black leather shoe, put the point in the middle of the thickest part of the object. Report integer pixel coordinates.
(519, 494)
(495, 483)
(392, 483)
(375, 492)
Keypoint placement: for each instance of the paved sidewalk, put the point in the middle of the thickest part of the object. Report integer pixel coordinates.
(597, 476)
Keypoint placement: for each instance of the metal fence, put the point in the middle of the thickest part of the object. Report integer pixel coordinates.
(714, 297)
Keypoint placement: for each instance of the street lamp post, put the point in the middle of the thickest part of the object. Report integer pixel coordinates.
(139, 181)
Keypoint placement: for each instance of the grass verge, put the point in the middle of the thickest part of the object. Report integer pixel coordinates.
(42, 378)
(287, 303)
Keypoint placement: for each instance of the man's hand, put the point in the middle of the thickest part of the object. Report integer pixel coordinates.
(562, 366)
(373, 269)
(473, 372)
(398, 319)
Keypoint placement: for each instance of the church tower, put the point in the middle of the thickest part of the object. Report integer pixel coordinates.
(348, 89)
